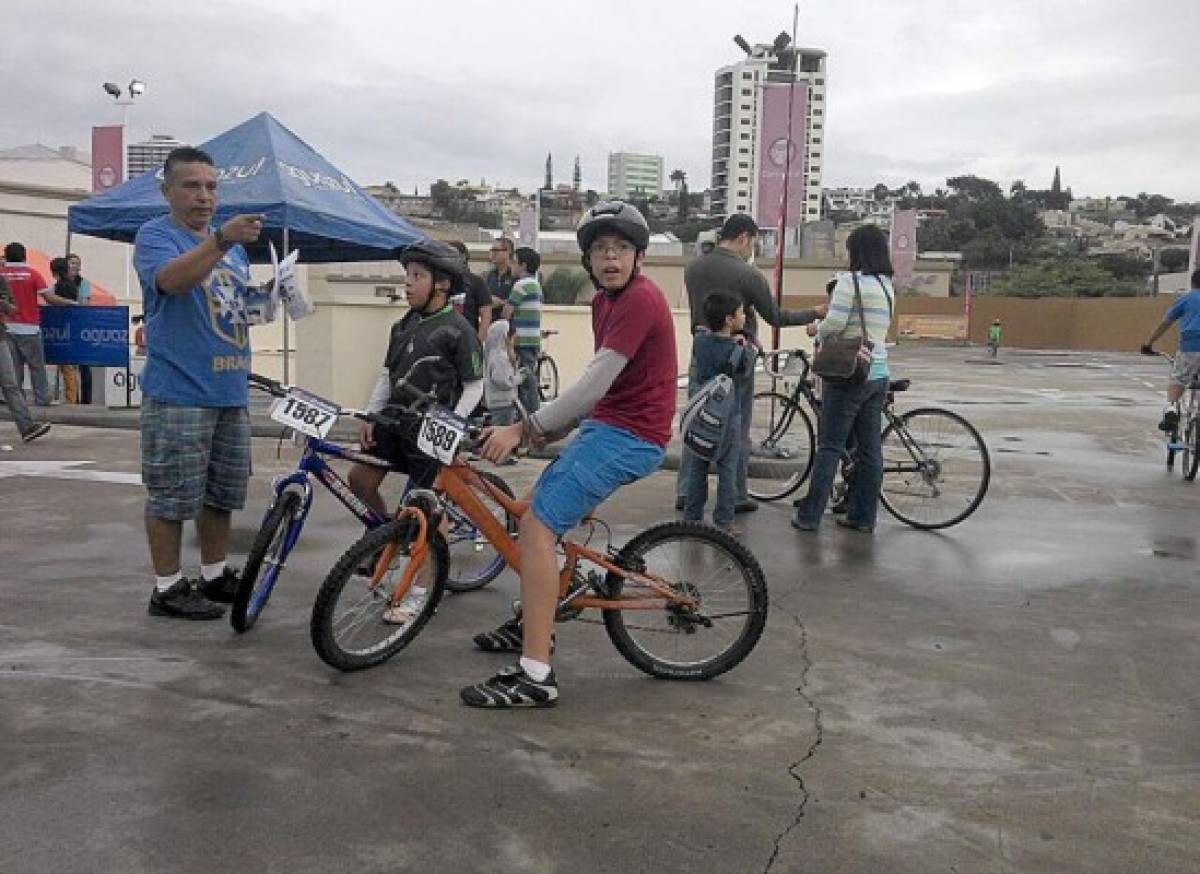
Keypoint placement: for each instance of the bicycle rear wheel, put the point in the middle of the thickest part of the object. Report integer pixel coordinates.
(678, 643)
(547, 377)
(1191, 450)
(782, 444)
(348, 628)
(474, 562)
(936, 468)
(264, 562)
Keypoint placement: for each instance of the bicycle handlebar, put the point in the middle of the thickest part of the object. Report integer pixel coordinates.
(778, 372)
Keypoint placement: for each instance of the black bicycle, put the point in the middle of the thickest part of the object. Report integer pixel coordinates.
(547, 371)
(936, 467)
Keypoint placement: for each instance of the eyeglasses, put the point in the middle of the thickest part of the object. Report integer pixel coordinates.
(621, 250)
(501, 249)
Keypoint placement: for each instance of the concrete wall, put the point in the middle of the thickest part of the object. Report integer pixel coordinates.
(342, 345)
(1118, 324)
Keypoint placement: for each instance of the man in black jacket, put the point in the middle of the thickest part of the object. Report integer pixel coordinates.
(725, 268)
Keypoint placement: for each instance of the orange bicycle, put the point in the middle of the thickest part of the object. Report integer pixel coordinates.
(680, 600)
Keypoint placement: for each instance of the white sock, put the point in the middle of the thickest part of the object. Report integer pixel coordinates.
(164, 583)
(537, 671)
(210, 572)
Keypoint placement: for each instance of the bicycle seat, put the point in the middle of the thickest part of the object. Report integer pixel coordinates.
(899, 385)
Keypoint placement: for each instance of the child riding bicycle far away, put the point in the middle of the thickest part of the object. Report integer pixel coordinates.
(626, 402)
(434, 272)
(1186, 311)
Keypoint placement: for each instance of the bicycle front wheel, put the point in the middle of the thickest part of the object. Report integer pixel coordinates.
(350, 629)
(1191, 450)
(264, 562)
(474, 562)
(681, 642)
(547, 376)
(936, 468)
(782, 445)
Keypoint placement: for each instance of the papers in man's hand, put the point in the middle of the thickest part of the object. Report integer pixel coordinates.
(294, 297)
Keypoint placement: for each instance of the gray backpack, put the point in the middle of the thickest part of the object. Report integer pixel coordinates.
(707, 415)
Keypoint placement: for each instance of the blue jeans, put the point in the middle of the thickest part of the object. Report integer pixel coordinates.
(745, 388)
(848, 411)
(693, 479)
(527, 391)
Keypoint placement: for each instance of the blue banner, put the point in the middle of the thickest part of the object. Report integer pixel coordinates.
(97, 336)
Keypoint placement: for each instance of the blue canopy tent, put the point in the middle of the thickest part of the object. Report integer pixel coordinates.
(264, 168)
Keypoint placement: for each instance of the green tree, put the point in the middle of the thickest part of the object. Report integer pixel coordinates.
(1125, 266)
(1173, 260)
(564, 285)
(1064, 277)
(974, 188)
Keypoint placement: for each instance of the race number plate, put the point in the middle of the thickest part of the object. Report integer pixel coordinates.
(441, 432)
(305, 413)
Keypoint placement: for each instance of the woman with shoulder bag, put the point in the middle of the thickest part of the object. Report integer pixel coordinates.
(854, 370)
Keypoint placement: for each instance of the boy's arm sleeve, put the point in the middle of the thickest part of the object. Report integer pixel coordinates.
(571, 406)
(380, 392)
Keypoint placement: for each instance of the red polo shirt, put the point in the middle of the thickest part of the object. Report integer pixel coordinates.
(25, 283)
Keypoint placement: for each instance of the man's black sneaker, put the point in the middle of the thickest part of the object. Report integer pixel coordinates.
(184, 601)
(509, 637)
(1170, 422)
(41, 429)
(512, 687)
(746, 505)
(223, 588)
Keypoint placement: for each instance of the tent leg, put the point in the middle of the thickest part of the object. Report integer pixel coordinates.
(286, 249)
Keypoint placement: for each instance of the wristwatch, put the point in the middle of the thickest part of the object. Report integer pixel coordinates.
(223, 243)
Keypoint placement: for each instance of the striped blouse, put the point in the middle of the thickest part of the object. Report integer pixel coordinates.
(878, 298)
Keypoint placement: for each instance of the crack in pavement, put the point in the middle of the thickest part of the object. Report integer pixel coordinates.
(794, 767)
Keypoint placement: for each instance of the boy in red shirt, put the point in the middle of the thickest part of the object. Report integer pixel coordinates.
(28, 288)
(624, 405)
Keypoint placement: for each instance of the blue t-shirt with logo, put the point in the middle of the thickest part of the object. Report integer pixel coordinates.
(1186, 311)
(197, 343)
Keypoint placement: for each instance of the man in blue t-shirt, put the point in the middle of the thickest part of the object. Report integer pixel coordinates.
(1186, 311)
(195, 423)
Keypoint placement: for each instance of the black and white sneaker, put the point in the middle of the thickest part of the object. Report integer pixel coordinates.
(184, 601)
(41, 429)
(223, 588)
(507, 638)
(512, 687)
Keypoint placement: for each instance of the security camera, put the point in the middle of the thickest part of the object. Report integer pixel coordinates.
(136, 87)
(113, 90)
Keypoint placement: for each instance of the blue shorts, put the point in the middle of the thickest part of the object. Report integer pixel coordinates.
(600, 460)
(194, 456)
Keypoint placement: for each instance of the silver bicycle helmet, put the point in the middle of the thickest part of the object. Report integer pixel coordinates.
(439, 257)
(613, 217)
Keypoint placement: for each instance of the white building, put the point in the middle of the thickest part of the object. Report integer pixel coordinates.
(38, 165)
(149, 156)
(737, 124)
(860, 201)
(633, 175)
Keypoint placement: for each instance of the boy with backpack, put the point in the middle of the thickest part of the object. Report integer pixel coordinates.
(711, 419)
(499, 376)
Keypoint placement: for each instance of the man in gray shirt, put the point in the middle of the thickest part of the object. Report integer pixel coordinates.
(725, 268)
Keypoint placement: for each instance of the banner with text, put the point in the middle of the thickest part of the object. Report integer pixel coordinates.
(904, 246)
(108, 165)
(96, 336)
(781, 155)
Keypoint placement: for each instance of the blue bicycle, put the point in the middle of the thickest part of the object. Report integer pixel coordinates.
(474, 562)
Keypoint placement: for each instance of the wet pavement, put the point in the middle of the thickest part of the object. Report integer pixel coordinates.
(1017, 693)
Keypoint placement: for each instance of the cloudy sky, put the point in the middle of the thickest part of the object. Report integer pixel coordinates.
(412, 91)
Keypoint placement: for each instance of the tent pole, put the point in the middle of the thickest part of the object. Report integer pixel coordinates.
(285, 315)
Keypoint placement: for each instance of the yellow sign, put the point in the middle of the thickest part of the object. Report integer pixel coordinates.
(929, 327)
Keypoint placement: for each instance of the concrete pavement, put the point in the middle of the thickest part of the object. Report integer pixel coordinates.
(1017, 693)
